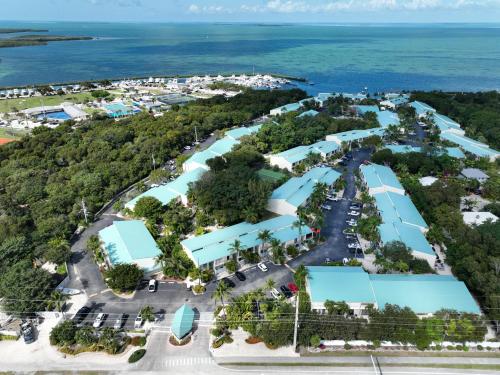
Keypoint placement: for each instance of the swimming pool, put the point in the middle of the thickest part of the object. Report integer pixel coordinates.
(58, 115)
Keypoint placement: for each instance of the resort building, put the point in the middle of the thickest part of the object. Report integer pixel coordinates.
(424, 294)
(380, 179)
(471, 146)
(355, 135)
(446, 124)
(290, 158)
(237, 133)
(175, 190)
(385, 118)
(199, 159)
(214, 249)
(292, 107)
(474, 174)
(58, 113)
(422, 109)
(453, 152)
(296, 192)
(118, 110)
(310, 113)
(323, 97)
(394, 102)
(129, 242)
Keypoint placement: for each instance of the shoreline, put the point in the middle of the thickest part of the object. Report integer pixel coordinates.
(70, 83)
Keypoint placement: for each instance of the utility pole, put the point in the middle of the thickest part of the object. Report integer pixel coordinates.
(295, 328)
(85, 212)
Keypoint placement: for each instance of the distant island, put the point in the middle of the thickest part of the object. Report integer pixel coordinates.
(34, 39)
(12, 31)
(38, 40)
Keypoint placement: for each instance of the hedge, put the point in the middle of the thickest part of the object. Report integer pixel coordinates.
(137, 355)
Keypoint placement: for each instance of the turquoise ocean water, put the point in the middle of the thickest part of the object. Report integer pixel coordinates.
(334, 57)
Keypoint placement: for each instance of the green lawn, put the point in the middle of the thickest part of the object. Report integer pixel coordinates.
(270, 175)
(11, 134)
(9, 105)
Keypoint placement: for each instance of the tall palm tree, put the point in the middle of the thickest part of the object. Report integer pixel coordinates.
(300, 275)
(277, 250)
(147, 313)
(270, 284)
(174, 266)
(235, 248)
(264, 236)
(56, 301)
(222, 293)
(300, 222)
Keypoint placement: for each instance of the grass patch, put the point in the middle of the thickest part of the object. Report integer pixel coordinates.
(356, 353)
(270, 175)
(11, 133)
(8, 338)
(62, 269)
(10, 105)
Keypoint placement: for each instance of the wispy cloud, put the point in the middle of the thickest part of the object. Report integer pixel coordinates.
(208, 9)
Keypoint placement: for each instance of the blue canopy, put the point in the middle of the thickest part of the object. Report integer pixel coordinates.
(183, 321)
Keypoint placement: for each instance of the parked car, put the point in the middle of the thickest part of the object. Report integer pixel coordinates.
(286, 292)
(351, 222)
(119, 321)
(138, 321)
(154, 185)
(330, 198)
(187, 148)
(294, 288)
(326, 207)
(349, 231)
(152, 286)
(240, 276)
(354, 208)
(99, 320)
(262, 267)
(28, 332)
(354, 245)
(275, 293)
(81, 315)
(353, 213)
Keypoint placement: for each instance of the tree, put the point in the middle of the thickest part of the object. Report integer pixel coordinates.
(149, 208)
(315, 341)
(57, 301)
(221, 293)
(277, 251)
(108, 340)
(124, 277)
(86, 336)
(300, 276)
(231, 266)
(158, 175)
(235, 248)
(147, 314)
(270, 284)
(63, 333)
(336, 308)
(13, 250)
(264, 236)
(300, 222)
(58, 251)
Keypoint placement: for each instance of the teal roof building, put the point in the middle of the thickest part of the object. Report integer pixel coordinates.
(453, 152)
(395, 207)
(471, 146)
(290, 158)
(237, 133)
(388, 118)
(214, 249)
(183, 321)
(424, 294)
(129, 242)
(445, 123)
(422, 109)
(310, 113)
(355, 135)
(218, 148)
(294, 193)
(379, 178)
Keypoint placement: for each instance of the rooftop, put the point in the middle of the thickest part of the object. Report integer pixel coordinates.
(424, 294)
(311, 113)
(375, 175)
(354, 135)
(453, 152)
(395, 207)
(217, 244)
(473, 173)
(237, 133)
(445, 123)
(218, 148)
(128, 242)
(299, 153)
(297, 190)
(422, 108)
(411, 236)
(387, 118)
(183, 321)
(474, 147)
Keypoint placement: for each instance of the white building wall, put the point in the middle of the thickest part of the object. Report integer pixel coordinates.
(189, 166)
(431, 259)
(279, 161)
(282, 207)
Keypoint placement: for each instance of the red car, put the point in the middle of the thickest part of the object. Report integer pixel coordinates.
(293, 288)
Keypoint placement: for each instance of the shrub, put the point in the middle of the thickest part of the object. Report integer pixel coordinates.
(253, 340)
(63, 333)
(124, 277)
(217, 332)
(137, 355)
(376, 343)
(347, 346)
(138, 341)
(465, 348)
(292, 251)
(479, 347)
(459, 347)
(315, 340)
(450, 347)
(370, 347)
(227, 339)
(489, 348)
(217, 343)
(438, 347)
(231, 266)
(199, 289)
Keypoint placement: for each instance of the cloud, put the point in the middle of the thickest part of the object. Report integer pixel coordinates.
(208, 9)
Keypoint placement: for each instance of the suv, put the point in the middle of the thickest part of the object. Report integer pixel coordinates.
(286, 292)
(28, 333)
(119, 321)
(240, 276)
(262, 267)
(99, 320)
(275, 293)
(138, 321)
(152, 286)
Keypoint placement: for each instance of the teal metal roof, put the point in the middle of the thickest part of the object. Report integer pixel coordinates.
(363, 109)
(424, 294)
(470, 145)
(453, 152)
(183, 321)
(354, 135)
(348, 284)
(166, 193)
(241, 132)
(290, 107)
(215, 245)
(386, 118)
(299, 153)
(445, 123)
(297, 190)
(375, 175)
(422, 108)
(311, 113)
(218, 148)
(223, 146)
(128, 241)
(400, 100)
(411, 236)
(395, 207)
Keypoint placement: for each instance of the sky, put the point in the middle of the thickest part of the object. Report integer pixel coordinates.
(308, 11)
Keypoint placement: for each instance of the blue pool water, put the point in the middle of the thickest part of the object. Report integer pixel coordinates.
(59, 115)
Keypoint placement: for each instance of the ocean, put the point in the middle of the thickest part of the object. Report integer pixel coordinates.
(333, 57)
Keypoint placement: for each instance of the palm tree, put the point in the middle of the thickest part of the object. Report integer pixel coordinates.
(300, 275)
(221, 292)
(147, 313)
(174, 266)
(264, 236)
(162, 258)
(270, 284)
(277, 251)
(57, 301)
(300, 222)
(235, 248)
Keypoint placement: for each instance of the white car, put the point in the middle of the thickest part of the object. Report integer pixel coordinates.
(119, 321)
(352, 222)
(354, 245)
(187, 148)
(353, 213)
(275, 293)
(154, 185)
(152, 286)
(262, 267)
(99, 320)
(326, 207)
(138, 321)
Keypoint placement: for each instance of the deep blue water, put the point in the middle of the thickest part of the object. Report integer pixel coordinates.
(346, 57)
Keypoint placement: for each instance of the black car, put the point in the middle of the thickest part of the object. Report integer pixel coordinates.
(286, 292)
(81, 314)
(28, 333)
(240, 276)
(229, 283)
